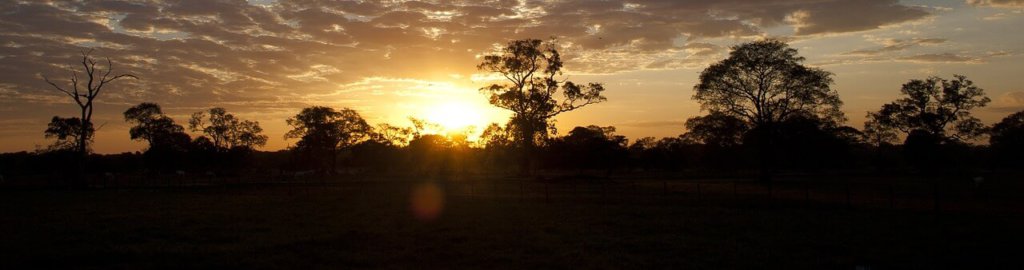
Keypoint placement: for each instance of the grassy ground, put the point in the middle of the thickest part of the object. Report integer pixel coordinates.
(373, 225)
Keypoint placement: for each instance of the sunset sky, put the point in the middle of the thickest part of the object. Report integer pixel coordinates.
(264, 60)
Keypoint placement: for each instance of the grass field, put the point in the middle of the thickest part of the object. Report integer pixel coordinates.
(382, 224)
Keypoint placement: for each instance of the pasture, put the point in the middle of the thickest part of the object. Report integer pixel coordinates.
(410, 222)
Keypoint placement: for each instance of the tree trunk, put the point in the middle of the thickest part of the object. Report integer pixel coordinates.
(765, 151)
(528, 147)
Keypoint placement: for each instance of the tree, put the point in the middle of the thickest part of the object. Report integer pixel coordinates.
(391, 135)
(226, 131)
(716, 129)
(159, 130)
(591, 147)
(936, 106)
(765, 83)
(1007, 137)
(167, 140)
(325, 131)
(496, 136)
(531, 91)
(68, 132)
(878, 135)
(85, 95)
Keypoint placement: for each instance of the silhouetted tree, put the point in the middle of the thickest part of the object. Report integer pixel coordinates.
(531, 92)
(429, 153)
(323, 131)
(167, 140)
(590, 147)
(939, 107)
(422, 127)
(159, 130)
(716, 129)
(765, 83)
(499, 145)
(391, 135)
(496, 135)
(85, 93)
(226, 131)
(1007, 139)
(878, 135)
(813, 143)
(68, 132)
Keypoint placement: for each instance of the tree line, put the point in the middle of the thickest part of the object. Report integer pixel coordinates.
(765, 112)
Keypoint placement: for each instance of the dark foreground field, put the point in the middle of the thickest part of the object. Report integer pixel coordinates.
(373, 224)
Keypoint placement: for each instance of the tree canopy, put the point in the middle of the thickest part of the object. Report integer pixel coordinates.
(68, 132)
(151, 125)
(322, 131)
(764, 82)
(939, 107)
(1008, 137)
(532, 89)
(226, 131)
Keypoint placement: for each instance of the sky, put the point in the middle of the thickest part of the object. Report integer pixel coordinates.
(264, 60)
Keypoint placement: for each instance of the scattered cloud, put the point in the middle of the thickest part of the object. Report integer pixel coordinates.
(895, 45)
(998, 3)
(1008, 102)
(940, 58)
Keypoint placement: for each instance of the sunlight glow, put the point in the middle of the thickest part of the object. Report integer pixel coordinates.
(456, 115)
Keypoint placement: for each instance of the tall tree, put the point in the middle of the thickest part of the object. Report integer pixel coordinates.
(226, 131)
(764, 83)
(532, 90)
(934, 107)
(85, 93)
(325, 131)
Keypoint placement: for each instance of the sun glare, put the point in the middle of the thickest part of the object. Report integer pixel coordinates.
(455, 115)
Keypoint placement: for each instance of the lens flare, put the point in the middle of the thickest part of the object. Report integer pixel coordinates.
(427, 201)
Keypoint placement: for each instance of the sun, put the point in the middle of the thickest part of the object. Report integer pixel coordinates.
(455, 115)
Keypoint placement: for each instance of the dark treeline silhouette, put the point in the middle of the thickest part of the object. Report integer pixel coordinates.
(766, 114)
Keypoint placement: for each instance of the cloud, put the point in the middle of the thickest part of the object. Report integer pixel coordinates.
(262, 56)
(851, 16)
(940, 58)
(1008, 102)
(895, 45)
(998, 3)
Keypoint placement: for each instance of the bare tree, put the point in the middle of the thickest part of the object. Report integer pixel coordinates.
(85, 91)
